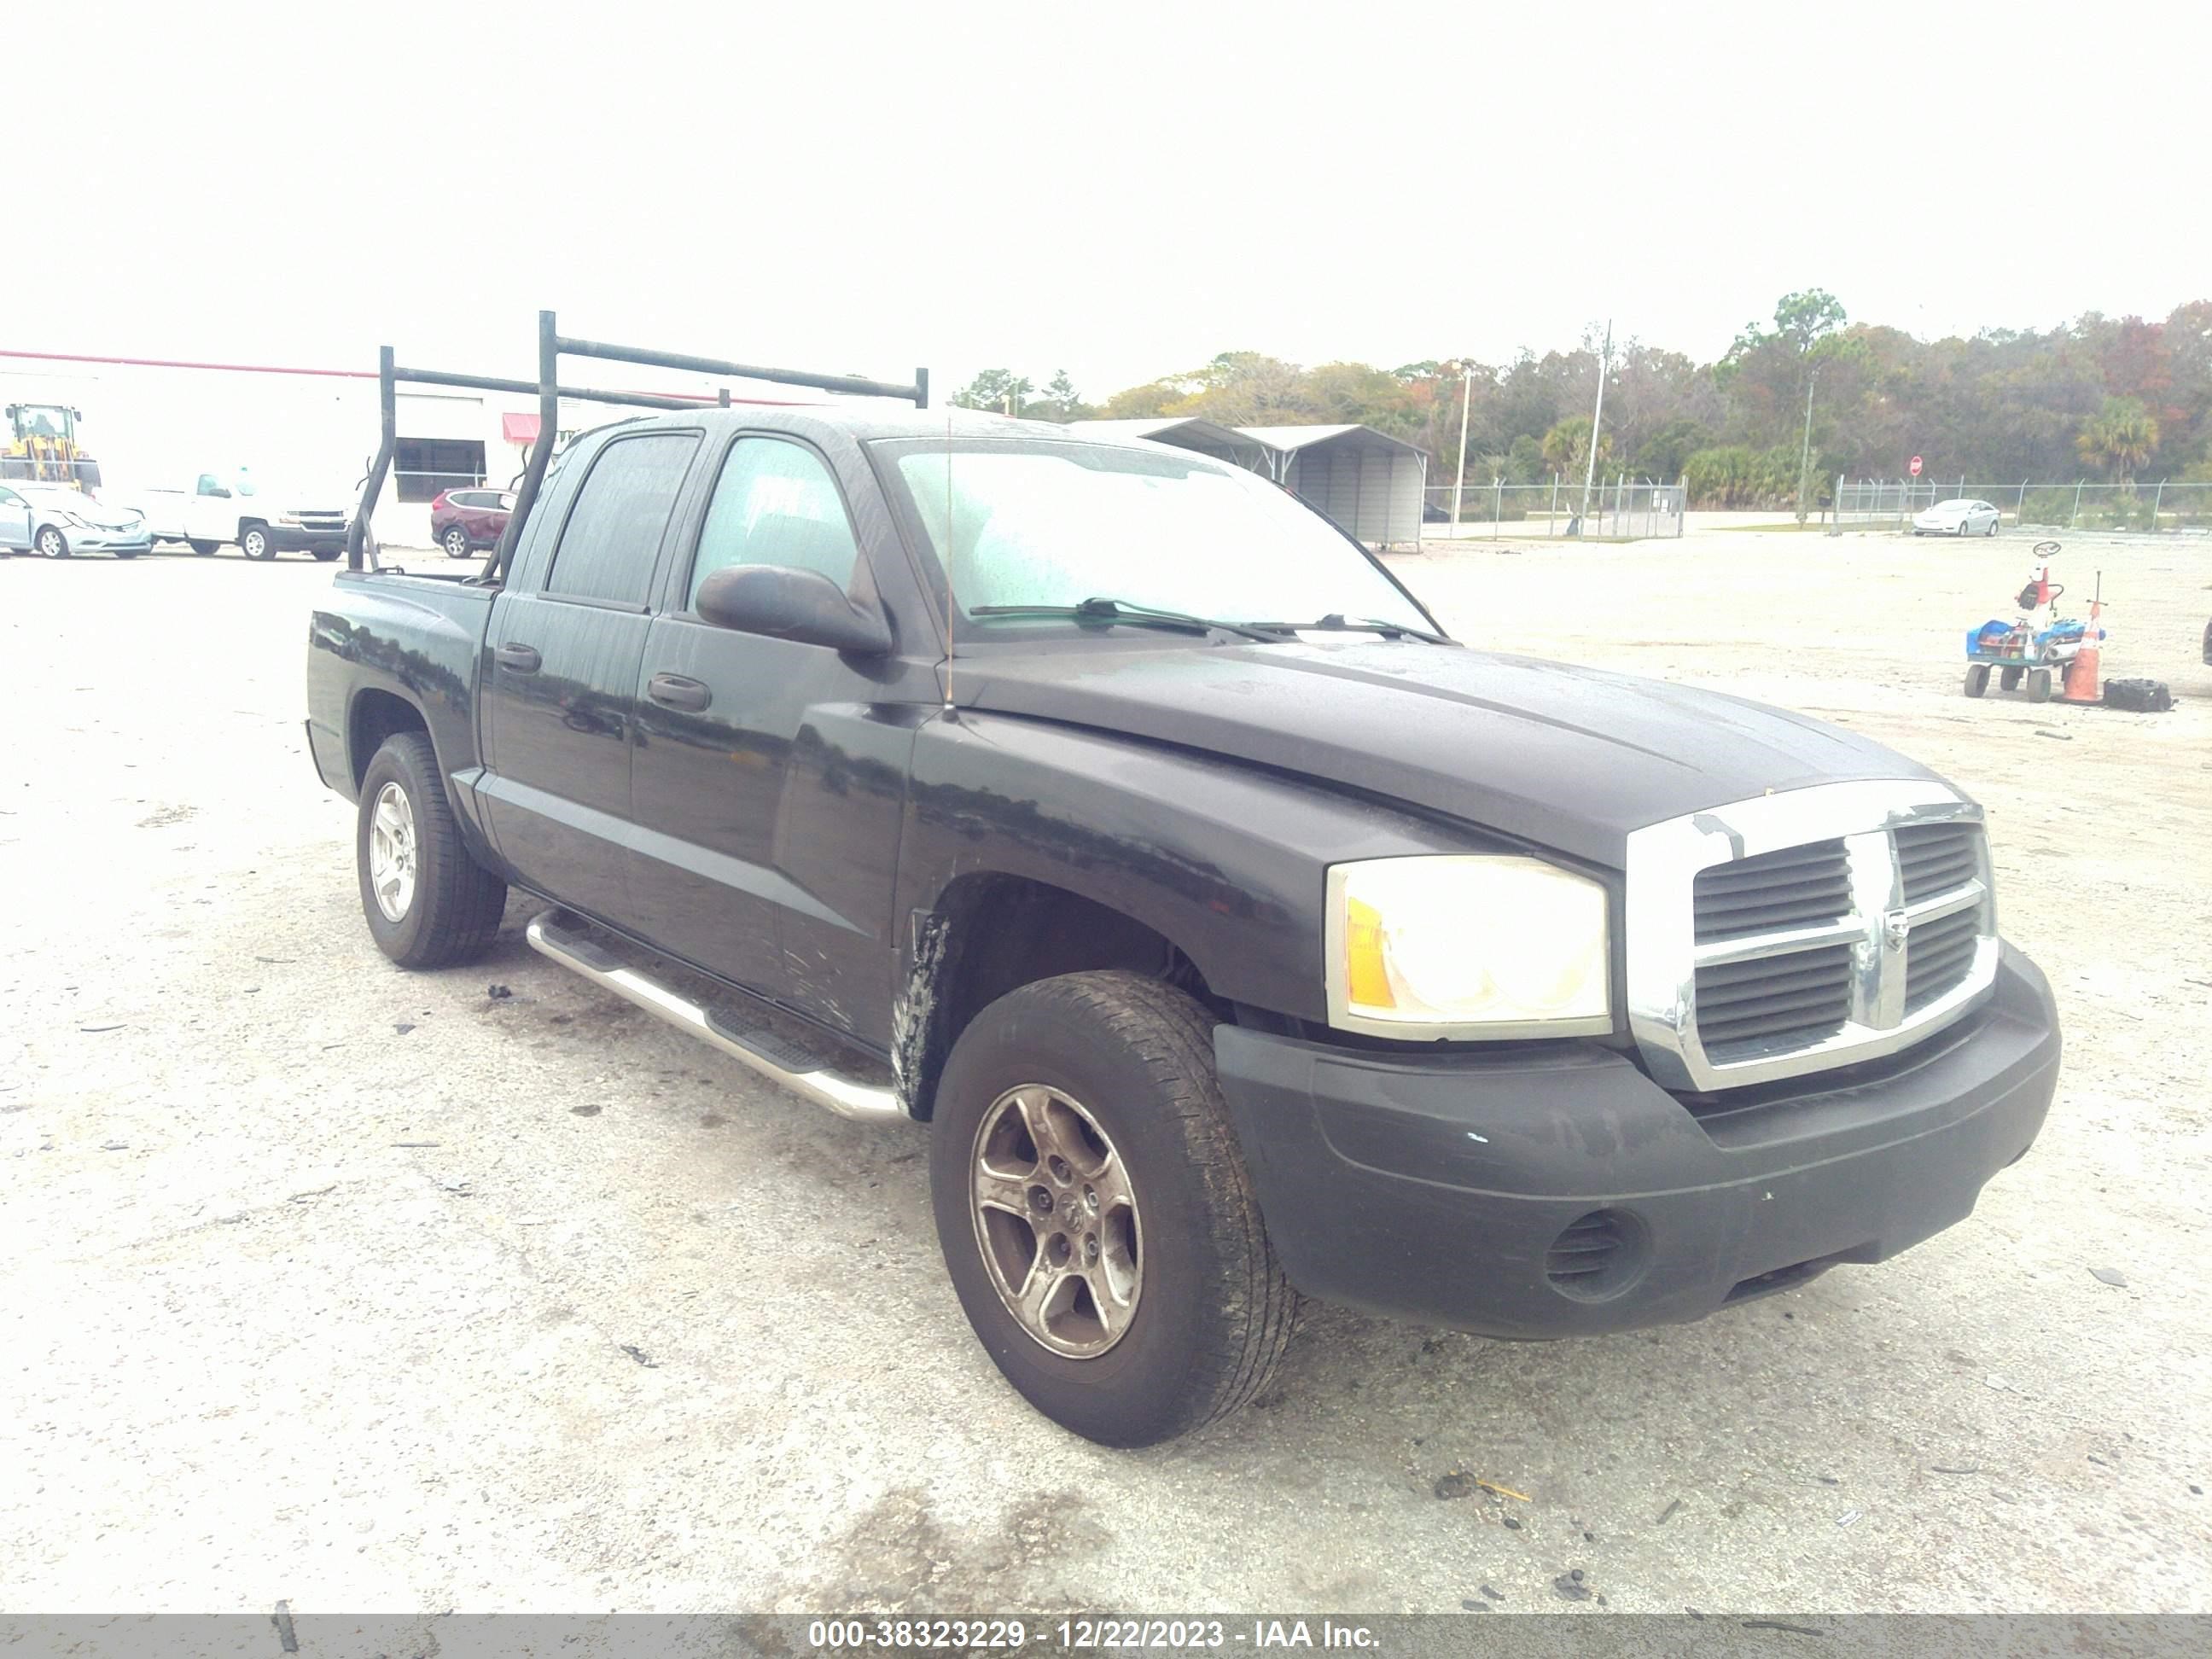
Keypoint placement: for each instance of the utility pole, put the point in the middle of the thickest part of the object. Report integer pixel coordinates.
(1805, 455)
(1597, 416)
(1458, 479)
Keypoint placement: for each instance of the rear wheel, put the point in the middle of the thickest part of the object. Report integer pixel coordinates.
(2038, 685)
(2009, 679)
(254, 542)
(1095, 1214)
(324, 555)
(429, 904)
(456, 543)
(1977, 678)
(126, 552)
(1992, 530)
(53, 544)
(205, 550)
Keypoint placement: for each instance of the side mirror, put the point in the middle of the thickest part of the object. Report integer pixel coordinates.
(785, 603)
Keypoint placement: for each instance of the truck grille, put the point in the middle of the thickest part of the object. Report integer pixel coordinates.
(1747, 1008)
(1936, 857)
(1793, 932)
(1796, 887)
(1938, 956)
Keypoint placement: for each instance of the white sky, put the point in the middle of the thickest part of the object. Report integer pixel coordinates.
(1121, 189)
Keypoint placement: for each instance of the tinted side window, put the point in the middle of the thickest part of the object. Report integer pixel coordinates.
(775, 503)
(614, 530)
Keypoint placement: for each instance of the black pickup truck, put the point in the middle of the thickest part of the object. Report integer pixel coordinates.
(1238, 934)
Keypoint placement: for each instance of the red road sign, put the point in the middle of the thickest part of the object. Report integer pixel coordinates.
(1915, 466)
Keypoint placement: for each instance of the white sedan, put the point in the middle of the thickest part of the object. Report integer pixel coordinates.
(1958, 518)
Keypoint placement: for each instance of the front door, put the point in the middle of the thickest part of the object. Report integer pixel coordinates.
(561, 657)
(768, 788)
(14, 520)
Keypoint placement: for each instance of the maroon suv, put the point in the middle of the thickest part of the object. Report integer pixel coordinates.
(466, 521)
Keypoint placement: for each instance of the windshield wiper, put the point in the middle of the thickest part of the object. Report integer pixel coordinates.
(1099, 609)
(1336, 622)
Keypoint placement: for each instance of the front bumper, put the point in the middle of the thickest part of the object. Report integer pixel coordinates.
(1439, 1189)
(108, 541)
(294, 539)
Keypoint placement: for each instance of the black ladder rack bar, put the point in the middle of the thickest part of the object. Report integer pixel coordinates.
(549, 391)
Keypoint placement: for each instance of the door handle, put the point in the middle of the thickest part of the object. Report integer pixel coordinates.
(677, 692)
(519, 659)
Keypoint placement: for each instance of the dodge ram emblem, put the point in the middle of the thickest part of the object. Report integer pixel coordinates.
(1896, 927)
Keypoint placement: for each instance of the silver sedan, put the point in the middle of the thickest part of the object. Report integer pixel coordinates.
(57, 521)
(1961, 517)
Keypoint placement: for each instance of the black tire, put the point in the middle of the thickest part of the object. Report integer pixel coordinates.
(455, 541)
(454, 911)
(205, 550)
(126, 552)
(51, 543)
(1212, 1310)
(2008, 678)
(1992, 530)
(324, 555)
(1978, 679)
(2038, 685)
(255, 542)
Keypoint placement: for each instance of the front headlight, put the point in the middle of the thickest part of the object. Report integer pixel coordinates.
(1466, 946)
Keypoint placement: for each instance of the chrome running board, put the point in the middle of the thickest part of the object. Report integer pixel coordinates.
(774, 1057)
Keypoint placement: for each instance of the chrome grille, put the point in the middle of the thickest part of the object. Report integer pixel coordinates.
(1938, 956)
(1936, 857)
(1796, 887)
(1747, 1008)
(1797, 932)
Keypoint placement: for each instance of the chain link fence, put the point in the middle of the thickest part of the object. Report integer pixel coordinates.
(2163, 507)
(1620, 508)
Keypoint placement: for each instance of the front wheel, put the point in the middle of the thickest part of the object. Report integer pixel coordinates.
(253, 541)
(429, 904)
(1978, 679)
(205, 550)
(1094, 1212)
(324, 555)
(2038, 685)
(53, 544)
(126, 552)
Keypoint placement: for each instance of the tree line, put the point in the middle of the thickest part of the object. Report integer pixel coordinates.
(2118, 400)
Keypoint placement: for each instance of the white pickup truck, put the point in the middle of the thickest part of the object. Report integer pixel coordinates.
(229, 506)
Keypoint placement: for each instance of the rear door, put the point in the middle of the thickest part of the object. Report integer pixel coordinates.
(559, 666)
(767, 784)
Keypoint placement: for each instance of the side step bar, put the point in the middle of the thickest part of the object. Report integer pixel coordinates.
(800, 1070)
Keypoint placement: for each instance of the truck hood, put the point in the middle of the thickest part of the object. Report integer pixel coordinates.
(1562, 757)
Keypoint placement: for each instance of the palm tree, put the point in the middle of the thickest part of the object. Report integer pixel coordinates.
(2122, 436)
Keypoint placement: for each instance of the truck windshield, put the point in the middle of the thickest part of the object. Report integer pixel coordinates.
(1026, 524)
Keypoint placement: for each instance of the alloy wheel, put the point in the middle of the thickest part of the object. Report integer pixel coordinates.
(392, 852)
(1055, 1217)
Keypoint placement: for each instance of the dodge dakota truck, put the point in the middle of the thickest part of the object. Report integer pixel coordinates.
(1238, 934)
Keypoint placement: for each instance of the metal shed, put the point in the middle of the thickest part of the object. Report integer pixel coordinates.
(1221, 442)
(1368, 482)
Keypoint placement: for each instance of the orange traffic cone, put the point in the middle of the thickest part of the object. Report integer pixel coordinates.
(2082, 685)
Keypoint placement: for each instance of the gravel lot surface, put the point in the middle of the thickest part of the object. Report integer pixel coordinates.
(382, 1292)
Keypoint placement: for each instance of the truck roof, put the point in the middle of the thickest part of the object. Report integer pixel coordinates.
(868, 420)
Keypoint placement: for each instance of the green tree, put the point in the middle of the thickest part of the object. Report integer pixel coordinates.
(994, 389)
(1566, 447)
(1662, 456)
(2121, 438)
(1060, 401)
(1142, 402)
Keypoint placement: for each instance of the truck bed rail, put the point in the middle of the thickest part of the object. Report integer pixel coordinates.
(552, 346)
